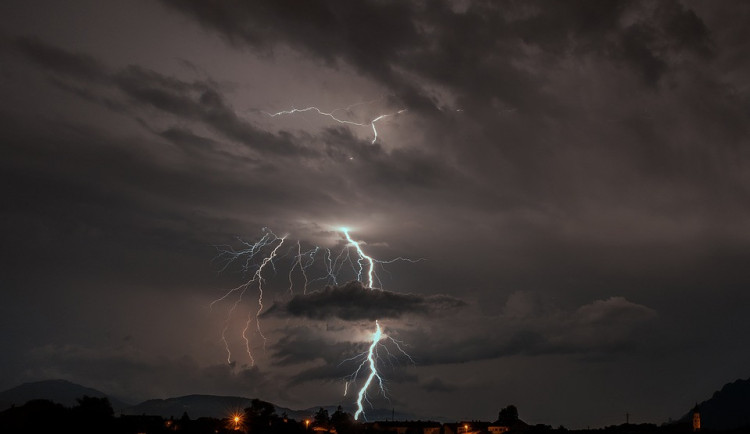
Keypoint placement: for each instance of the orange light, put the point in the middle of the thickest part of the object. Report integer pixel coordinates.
(237, 419)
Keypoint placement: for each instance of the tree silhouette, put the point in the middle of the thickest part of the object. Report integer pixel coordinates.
(36, 416)
(508, 415)
(342, 421)
(93, 415)
(260, 416)
(321, 417)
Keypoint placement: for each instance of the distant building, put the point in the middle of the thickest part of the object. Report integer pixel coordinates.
(497, 429)
(450, 428)
(479, 427)
(408, 427)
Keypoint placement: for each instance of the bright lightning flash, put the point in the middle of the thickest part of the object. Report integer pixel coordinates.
(362, 257)
(368, 360)
(373, 369)
(370, 261)
(268, 248)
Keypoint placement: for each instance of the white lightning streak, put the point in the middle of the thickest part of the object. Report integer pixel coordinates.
(373, 370)
(341, 121)
(362, 256)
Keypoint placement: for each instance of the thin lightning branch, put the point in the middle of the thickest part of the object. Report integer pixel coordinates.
(230, 255)
(259, 278)
(309, 261)
(341, 121)
(298, 262)
(332, 267)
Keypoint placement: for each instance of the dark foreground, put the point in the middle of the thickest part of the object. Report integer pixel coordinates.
(95, 415)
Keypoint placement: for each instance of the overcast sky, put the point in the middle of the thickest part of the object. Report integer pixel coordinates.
(569, 180)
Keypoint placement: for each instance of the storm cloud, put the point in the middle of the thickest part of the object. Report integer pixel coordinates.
(353, 301)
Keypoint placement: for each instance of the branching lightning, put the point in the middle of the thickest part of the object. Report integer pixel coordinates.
(313, 265)
(368, 360)
(229, 255)
(256, 258)
(333, 116)
(371, 356)
(304, 260)
(363, 258)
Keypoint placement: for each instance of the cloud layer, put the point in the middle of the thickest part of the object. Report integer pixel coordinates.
(353, 301)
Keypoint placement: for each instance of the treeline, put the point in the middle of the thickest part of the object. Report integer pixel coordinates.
(91, 415)
(95, 416)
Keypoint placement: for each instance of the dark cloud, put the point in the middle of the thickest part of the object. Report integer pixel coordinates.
(59, 61)
(476, 52)
(327, 30)
(303, 344)
(436, 385)
(132, 88)
(527, 326)
(532, 327)
(353, 301)
(197, 100)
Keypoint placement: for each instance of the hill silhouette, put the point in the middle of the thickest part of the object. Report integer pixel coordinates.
(60, 391)
(727, 409)
(67, 394)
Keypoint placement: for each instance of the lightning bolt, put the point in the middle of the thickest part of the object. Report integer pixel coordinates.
(369, 261)
(332, 115)
(257, 257)
(368, 361)
(370, 357)
(376, 337)
(362, 257)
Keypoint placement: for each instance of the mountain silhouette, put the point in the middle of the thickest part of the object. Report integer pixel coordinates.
(727, 409)
(60, 391)
(67, 394)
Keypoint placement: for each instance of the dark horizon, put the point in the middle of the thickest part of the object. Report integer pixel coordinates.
(721, 412)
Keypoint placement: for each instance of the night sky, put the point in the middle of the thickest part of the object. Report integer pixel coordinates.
(571, 179)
